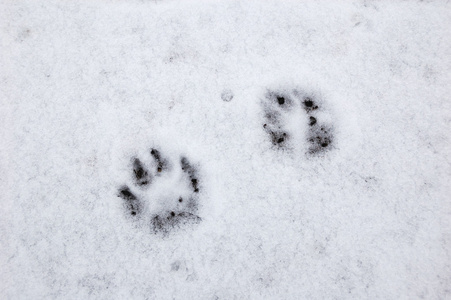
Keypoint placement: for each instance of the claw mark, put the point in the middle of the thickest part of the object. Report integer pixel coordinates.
(131, 202)
(192, 174)
(142, 177)
(162, 164)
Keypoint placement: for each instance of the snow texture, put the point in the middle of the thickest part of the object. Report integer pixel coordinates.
(343, 197)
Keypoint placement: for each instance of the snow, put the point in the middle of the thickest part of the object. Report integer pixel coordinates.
(86, 87)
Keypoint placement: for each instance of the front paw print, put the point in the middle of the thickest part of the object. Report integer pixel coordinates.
(164, 194)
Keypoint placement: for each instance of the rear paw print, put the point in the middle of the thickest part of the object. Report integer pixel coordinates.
(280, 107)
(163, 194)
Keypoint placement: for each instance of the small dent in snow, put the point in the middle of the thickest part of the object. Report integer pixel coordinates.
(24, 34)
(175, 266)
(227, 95)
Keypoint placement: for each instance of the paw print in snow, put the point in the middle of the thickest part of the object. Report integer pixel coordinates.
(280, 106)
(163, 194)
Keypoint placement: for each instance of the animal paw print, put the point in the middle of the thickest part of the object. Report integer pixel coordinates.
(163, 194)
(280, 106)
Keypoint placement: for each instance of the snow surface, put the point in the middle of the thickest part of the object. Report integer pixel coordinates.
(88, 85)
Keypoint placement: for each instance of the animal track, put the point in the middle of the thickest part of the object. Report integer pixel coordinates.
(279, 106)
(163, 194)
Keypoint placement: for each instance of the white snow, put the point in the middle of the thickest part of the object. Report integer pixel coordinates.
(88, 85)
